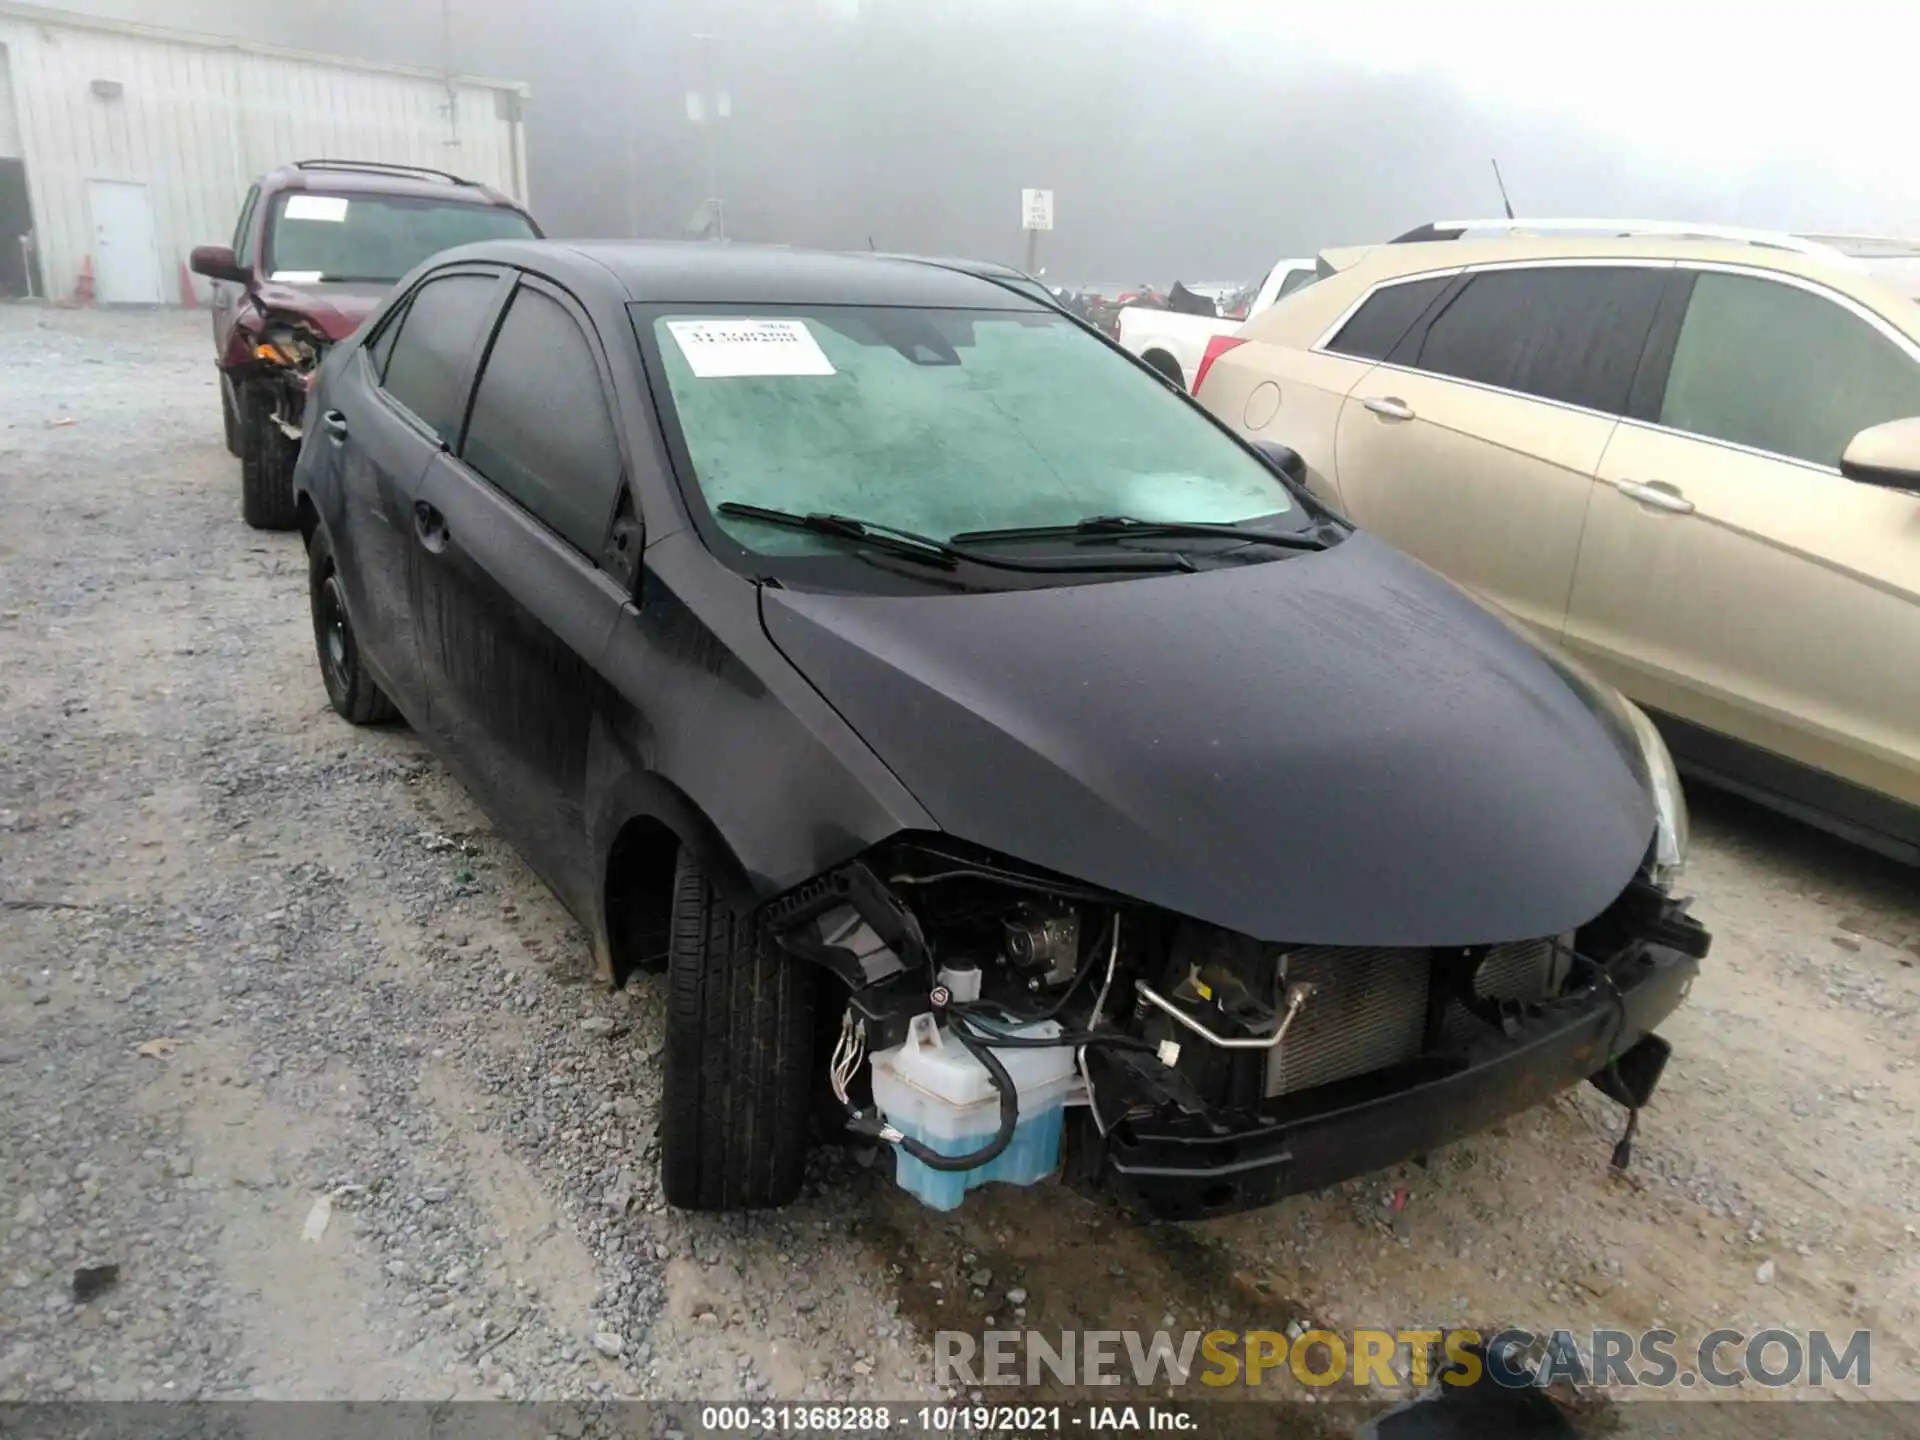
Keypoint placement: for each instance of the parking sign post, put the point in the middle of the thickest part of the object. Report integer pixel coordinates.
(1036, 214)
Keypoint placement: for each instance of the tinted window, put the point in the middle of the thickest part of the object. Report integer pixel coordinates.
(382, 345)
(1783, 370)
(540, 428)
(1566, 333)
(1388, 314)
(429, 356)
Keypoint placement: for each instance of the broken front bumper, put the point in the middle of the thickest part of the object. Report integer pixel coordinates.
(1351, 1128)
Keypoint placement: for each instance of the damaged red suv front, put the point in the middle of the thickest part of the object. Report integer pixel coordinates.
(316, 249)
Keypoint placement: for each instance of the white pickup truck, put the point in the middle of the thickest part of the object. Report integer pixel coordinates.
(1176, 344)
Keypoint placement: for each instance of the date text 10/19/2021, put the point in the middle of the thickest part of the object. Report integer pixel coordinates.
(881, 1419)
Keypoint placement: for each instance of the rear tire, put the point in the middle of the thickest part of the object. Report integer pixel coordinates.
(1166, 365)
(351, 690)
(739, 1057)
(266, 469)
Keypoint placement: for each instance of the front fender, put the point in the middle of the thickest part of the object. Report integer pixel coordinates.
(236, 352)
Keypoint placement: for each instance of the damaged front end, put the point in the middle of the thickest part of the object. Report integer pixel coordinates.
(997, 1016)
(278, 373)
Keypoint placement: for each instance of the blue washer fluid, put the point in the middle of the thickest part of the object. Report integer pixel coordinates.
(933, 1089)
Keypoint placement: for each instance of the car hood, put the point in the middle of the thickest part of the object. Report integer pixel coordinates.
(1333, 749)
(336, 311)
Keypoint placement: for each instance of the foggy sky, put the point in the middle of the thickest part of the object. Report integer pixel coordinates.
(1176, 147)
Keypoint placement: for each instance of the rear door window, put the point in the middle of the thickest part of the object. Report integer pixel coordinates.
(541, 429)
(428, 359)
(1570, 333)
(1376, 327)
(1778, 368)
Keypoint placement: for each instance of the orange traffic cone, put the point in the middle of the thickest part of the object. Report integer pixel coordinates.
(189, 299)
(83, 287)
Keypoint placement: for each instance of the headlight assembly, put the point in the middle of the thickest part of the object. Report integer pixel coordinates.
(1651, 761)
(1671, 834)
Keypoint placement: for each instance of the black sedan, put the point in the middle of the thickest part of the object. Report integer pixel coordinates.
(894, 664)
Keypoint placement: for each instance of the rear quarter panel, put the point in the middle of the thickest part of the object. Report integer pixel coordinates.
(1276, 387)
(1272, 392)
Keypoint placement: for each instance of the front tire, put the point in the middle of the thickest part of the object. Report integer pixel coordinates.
(739, 1057)
(351, 690)
(266, 469)
(229, 421)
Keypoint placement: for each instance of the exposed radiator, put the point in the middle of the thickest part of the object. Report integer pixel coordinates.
(1369, 1007)
(1368, 1011)
(1523, 970)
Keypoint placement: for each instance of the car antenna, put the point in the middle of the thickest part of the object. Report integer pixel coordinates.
(870, 244)
(1503, 189)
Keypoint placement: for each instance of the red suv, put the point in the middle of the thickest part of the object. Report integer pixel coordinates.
(317, 246)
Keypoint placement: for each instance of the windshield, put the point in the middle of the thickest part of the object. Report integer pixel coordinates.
(1028, 286)
(940, 422)
(313, 239)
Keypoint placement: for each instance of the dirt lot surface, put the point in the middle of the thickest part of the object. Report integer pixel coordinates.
(288, 1035)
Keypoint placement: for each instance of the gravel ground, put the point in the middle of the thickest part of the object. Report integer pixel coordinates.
(290, 1037)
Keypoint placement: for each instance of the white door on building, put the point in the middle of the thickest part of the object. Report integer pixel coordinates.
(126, 262)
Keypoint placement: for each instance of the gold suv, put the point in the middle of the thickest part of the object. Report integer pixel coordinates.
(1687, 456)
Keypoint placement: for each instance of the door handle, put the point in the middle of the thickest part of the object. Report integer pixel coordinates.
(1389, 407)
(1657, 494)
(431, 526)
(336, 424)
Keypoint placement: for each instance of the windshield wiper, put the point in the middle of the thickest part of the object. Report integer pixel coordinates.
(1099, 527)
(911, 545)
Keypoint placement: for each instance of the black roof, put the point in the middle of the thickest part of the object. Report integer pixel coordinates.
(703, 272)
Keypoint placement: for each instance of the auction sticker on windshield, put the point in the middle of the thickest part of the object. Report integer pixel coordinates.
(317, 207)
(720, 349)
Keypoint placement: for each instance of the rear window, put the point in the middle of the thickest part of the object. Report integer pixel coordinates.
(318, 239)
(939, 421)
(1376, 327)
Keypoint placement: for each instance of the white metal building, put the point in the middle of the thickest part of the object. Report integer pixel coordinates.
(122, 146)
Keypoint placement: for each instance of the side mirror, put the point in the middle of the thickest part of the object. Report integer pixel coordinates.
(625, 540)
(216, 262)
(1283, 458)
(1886, 454)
